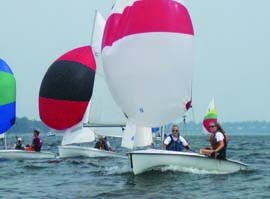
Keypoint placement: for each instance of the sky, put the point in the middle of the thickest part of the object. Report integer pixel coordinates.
(232, 40)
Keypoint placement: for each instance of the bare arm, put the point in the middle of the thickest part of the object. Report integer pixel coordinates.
(187, 147)
(164, 146)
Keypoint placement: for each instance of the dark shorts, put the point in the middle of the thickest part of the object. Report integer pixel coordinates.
(217, 155)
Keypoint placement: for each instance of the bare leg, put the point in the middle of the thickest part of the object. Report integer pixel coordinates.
(206, 152)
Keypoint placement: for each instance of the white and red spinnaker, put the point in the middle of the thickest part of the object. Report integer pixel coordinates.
(147, 52)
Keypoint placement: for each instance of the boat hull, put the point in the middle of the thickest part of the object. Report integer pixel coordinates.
(78, 151)
(23, 155)
(147, 160)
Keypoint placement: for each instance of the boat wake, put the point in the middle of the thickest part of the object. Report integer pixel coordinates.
(188, 170)
(115, 170)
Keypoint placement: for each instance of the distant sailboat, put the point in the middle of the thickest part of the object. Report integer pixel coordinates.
(50, 134)
(66, 91)
(210, 116)
(7, 100)
(8, 115)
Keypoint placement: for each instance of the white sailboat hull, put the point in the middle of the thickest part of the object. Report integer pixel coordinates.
(78, 151)
(24, 155)
(147, 160)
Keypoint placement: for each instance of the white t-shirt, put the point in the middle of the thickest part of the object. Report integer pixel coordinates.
(168, 140)
(219, 136)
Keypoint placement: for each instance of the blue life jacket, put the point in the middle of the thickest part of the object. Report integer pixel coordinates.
(175, 145)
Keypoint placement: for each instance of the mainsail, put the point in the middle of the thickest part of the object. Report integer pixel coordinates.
(104, 112)
(210, 116)
(7, 97)
(147, 53)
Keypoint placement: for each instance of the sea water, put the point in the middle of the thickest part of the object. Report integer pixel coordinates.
(113, 178)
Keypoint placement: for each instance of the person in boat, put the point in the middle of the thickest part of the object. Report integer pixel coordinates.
(174, 141)
(218, 141)
(101, 144)
(108, 144)
(36, 142)
(19, 145)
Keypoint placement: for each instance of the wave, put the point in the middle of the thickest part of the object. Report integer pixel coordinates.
(34, 167)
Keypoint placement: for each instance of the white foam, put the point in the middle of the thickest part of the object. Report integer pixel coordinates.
(189, 170)
(112, 170)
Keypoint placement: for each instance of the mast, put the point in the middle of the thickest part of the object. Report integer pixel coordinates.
(5, 140)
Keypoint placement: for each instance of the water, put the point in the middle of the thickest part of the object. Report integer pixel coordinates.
(112, 178)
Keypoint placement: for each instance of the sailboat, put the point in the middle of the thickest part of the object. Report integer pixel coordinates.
(102, 117)
(210, 116)
(50, 134)
(147, 52)
(8, 115)
(189, 161)
(65, 92)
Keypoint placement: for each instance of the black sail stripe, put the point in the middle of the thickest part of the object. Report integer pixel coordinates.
(68, 80)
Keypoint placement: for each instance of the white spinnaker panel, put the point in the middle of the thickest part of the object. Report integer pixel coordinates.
(152, 80)
(103, 109)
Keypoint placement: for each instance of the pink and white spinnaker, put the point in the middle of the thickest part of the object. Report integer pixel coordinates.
(147, 52)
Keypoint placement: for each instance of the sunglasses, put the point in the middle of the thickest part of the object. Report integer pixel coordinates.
(212, 126)
(174, 130)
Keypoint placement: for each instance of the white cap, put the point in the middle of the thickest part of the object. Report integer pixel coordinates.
(19, 139)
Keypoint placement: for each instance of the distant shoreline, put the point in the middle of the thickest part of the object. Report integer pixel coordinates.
(25, 125)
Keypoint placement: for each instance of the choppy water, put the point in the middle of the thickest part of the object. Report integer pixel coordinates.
(112, 178)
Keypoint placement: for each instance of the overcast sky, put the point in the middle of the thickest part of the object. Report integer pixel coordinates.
(232, 40)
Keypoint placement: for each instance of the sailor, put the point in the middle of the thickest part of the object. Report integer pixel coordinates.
(19, 145)
(175, 142)
(108, 144)
(101, 144)
(218, 141)
(36, 142)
